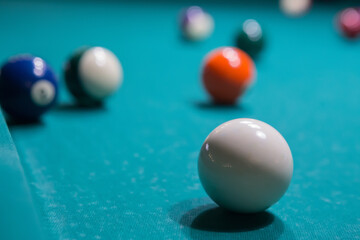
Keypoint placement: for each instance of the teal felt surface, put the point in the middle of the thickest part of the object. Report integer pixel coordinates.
(18, 218)
(129, 170)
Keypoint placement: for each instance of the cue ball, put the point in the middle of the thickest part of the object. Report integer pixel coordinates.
(28, 87)
(245, 165)
(227, 72)
(196, 24)
(93, 74)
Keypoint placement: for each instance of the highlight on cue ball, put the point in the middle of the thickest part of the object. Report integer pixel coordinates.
(245, 165)
(93, 74)
(28, 87)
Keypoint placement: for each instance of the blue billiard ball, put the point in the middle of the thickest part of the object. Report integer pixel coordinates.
(28, 87)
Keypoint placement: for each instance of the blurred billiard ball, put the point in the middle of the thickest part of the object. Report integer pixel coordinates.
(245, 165)
(251, 38)
(196, 24)
(227, 72)
(295, 8)
(28, 87)
(93, 74)
(348, 22)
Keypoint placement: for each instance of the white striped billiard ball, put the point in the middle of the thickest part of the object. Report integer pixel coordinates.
(92, 74)
(196, 24)
(245, 165)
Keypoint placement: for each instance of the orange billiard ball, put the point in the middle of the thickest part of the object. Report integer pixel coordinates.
(227, 73)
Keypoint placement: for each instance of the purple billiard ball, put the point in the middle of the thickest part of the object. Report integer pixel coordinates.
(196, 24)
(189, 14)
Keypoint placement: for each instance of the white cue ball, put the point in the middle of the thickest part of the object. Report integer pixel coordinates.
(245, 165)
(101, 72)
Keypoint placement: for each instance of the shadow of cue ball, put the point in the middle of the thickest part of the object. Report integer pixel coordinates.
(202, 219)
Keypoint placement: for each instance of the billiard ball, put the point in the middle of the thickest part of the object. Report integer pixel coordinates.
(295, 8)
(245, 165)
(93, 74)
(196, 24)
(250, 38)
(348, 22)
(226, 73)
(28, 87)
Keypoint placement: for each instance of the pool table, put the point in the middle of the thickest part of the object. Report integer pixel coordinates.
(128, 169)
